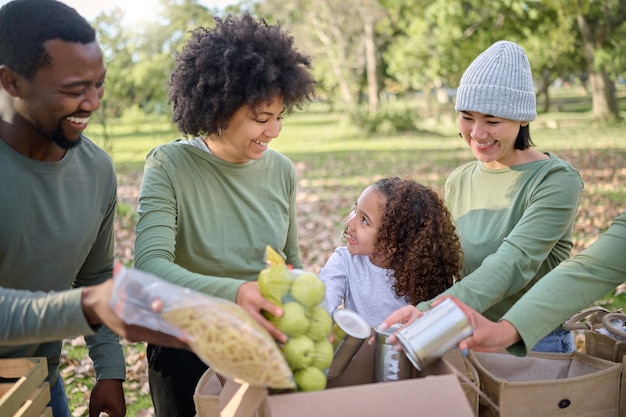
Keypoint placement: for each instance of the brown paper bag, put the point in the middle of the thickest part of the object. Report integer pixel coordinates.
(218, 397)
(207, 394)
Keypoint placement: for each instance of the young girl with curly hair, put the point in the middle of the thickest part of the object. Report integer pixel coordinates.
(402, 248)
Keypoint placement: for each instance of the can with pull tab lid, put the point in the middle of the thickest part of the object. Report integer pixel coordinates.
(350, 332)
(440, 329)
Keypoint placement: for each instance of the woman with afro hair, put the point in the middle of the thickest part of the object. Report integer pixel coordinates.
(402, 248)
(210, 203)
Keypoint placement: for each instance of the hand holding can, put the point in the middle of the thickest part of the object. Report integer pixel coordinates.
(433, 334)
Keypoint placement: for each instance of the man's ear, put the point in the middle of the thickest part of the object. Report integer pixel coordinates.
(9, 80)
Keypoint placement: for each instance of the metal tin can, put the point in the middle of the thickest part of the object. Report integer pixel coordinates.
(437, 331)
(353, 330)
(389, 364)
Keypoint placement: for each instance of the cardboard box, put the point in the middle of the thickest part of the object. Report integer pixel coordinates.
(23, 391)
(437, 392)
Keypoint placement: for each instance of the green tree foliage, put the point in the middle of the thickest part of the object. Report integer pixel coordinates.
(342, 37)
(140, 56)
(118, 54)
(435, 40)
(601, 27)
(362, 48)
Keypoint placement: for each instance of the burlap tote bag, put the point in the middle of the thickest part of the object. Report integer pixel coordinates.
(548, 384)
(467, 375)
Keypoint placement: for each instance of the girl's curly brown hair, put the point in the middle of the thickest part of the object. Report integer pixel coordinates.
(417, 240)
(239, 61)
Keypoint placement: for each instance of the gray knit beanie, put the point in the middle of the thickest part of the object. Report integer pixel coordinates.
(500, 83)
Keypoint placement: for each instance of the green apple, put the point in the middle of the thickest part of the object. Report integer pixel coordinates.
(293, 322)
(324, 354)
(320, 323)
(310, 379)
(308, 289)
(338, 335)
(299, 352)
(274, 282)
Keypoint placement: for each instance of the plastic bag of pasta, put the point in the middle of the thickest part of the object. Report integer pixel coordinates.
(219, 331)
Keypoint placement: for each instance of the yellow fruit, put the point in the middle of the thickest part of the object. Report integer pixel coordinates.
(274, 282)
(338, 335)
(272, 257)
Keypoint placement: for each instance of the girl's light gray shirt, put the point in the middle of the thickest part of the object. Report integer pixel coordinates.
(362, 286)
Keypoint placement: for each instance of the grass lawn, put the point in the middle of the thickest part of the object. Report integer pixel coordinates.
(334, 162)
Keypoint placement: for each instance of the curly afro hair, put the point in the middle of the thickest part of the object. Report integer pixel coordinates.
(240, 61)
(417, 240)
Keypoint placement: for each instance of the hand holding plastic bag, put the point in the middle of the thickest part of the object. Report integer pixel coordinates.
(219, 331)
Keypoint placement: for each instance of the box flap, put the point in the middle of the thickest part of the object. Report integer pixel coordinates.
(433, 395)
(434, 391)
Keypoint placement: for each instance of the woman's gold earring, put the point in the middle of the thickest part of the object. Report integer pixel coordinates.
(219, 131)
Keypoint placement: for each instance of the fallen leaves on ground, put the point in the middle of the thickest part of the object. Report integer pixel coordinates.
(322, 204)
(79, 376)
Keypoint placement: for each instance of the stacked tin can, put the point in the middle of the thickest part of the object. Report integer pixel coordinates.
(390, 364)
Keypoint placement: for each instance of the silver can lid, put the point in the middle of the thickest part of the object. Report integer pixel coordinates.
(383, 334)
(351, 323)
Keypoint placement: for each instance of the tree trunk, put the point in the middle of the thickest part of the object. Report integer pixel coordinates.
(336, 64)
(543, 89)
(603, 97)
(602, 89)
(370, 60)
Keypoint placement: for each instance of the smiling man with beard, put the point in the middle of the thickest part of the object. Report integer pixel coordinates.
(58, 189)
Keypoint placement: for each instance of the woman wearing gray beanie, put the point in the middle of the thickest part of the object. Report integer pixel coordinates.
(514, 207)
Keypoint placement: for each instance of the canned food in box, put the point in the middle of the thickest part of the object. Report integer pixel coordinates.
(350, 330)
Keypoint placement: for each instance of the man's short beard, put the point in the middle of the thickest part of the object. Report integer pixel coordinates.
(61, 140)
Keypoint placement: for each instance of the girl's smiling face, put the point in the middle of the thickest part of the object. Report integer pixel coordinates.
(363, 222)
(491, 139)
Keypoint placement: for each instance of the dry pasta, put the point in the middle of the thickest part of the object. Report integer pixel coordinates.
(226, 338)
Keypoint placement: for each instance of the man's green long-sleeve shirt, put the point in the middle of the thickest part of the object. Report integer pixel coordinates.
(56, 232)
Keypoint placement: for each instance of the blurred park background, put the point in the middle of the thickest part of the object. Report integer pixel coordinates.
(387, 72)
